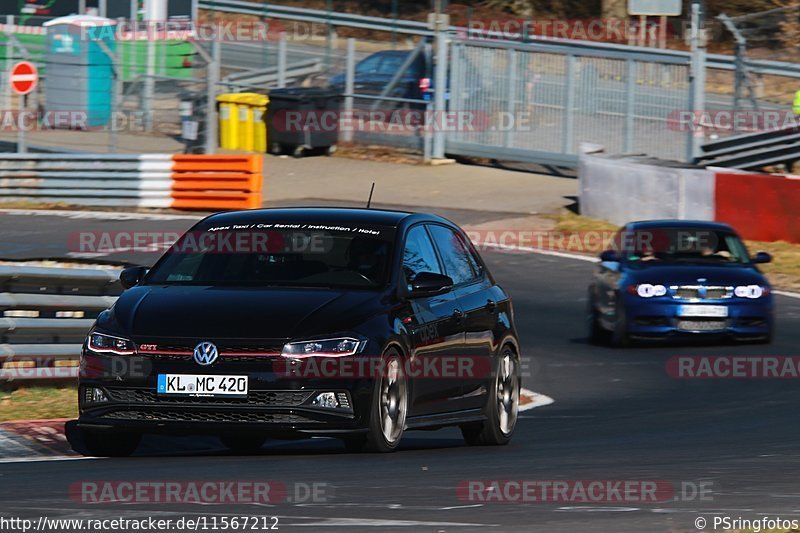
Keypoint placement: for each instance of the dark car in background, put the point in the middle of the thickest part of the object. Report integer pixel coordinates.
(374, 73)
(289, 323)
(674, 278)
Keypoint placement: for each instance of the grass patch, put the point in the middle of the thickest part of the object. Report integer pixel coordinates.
(783, 271)
(30, 402)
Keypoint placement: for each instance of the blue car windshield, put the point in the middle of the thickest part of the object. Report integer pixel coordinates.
(677, 246)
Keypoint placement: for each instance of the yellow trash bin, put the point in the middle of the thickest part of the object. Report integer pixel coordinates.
(228, 120)
(245, 118)
(260, 102)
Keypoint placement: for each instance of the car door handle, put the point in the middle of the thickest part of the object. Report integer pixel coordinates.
(458, 315)
(491, 305)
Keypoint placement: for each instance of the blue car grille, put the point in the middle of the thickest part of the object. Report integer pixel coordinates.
(701, 292)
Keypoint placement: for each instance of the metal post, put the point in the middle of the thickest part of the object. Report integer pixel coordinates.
(149, 80)
(569, 106)
(134, 10)
(282, 60)
(349, 87)
(394, 24)
(81, 7)
(211, 110)
(329, 38)
(697, 81)
(9, 61)
(116, 93)
(512, 93)
(102, 8)
(630, 105)
(22, 146)
(440, 85)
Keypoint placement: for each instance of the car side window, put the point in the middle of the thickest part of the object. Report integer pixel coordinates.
(419, 254)
(369, 65)
(458, 261)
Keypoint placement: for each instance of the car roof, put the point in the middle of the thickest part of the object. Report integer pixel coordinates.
(379, 217)
(678, 224)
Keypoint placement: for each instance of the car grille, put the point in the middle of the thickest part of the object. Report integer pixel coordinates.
(208, 416)
(695, 292)
(254, 398)
(702, 325)
(227, 351)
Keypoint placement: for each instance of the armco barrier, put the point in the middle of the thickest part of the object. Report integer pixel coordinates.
(45, 314)
(209, 182)
(621, 190)
(762, 207)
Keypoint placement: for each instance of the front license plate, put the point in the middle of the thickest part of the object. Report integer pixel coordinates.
(202, 385)
(713, 311)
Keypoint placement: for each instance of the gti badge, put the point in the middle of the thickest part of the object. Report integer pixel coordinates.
(205, 353)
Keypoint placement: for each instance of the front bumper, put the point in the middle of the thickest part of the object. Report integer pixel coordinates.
(661, 317)
(277, 404)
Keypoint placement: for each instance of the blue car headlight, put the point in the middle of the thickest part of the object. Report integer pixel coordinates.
(751, 291)
(647, 290)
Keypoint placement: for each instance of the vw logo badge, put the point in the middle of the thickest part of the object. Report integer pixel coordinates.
(205, 353)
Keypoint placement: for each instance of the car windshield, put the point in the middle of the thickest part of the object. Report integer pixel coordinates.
(676, 246)
(275, 254)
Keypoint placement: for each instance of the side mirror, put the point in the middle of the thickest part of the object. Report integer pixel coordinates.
(132, 276)
(762, 257)
(430, 284)
(609, 256)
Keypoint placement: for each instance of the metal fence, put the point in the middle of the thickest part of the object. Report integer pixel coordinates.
(541, 102)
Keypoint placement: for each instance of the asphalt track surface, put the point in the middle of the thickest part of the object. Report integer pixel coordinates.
(617, 416)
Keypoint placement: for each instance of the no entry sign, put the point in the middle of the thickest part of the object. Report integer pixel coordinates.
(24, 77)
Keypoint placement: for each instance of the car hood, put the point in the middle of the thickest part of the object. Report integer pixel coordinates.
(692, 275)
(228, 312)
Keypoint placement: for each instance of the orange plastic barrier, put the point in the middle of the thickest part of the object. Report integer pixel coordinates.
(762, 207)
(212, 182)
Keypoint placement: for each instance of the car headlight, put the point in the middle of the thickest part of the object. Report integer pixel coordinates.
(750, 291)
(338, 347)
(647, 290)
(102, 343)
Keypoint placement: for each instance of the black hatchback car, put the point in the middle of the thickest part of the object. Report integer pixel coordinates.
(290, 323)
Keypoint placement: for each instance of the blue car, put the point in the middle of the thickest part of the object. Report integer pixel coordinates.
(679, 278)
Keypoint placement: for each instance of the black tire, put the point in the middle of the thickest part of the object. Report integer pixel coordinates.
(619, 337)
(389, 406)
(597, 334)
(110, 444)
(503, 396)
(276, 148)
(243, 443)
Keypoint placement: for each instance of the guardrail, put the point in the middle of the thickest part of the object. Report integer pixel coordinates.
(212, 182)
(753, 151)
(45, 315)
(716, 61)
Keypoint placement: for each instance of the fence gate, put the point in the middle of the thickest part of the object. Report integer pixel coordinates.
(537, 102)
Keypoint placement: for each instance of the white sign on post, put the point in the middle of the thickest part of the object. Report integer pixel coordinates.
(654, 8)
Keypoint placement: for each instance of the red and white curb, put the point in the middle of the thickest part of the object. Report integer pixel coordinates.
(34, 440)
